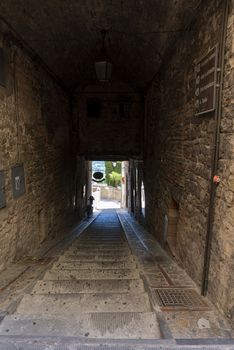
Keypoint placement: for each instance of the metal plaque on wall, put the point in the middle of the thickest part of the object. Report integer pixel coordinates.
(206, 80)
(2, 190)
(18, 181)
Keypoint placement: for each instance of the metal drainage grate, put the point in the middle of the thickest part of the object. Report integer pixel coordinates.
(178, 298)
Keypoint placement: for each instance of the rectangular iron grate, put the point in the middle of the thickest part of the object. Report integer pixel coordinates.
(178, 298)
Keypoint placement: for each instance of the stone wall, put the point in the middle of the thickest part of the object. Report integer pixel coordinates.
(34, 131)
(117, 130)
(178, 155)
(222, 258)
(82, 186)
(108, 192)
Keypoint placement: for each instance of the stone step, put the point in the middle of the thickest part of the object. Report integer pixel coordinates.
(87, 240)
(94, 258)
(97, 250)
(100, 241)
(104, 230)
(87, 286)
(95, 235)
(108, 237)
(99, 244)
(80, 265)
(109, 245)
(106, 225)
(92, 274)
(73, 304)
(99, 253)
(99, 235)
(124, 325)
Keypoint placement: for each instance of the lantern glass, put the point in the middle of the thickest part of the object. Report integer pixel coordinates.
(103, 70)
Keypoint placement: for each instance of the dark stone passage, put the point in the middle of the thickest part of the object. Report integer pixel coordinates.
(141, 93)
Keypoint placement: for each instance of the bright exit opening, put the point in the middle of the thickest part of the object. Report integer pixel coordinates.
(109, 184)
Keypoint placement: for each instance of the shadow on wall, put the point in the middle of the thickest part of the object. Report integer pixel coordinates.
(171, 221)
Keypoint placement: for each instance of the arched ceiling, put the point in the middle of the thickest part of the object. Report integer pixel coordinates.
(66, 34)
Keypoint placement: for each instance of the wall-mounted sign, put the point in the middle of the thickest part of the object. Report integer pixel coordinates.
(98, 176)
(18, 181)
(98, 171)
(206, 79)
(2, 190)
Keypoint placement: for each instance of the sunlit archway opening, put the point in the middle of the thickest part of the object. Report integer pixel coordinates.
(108, 184)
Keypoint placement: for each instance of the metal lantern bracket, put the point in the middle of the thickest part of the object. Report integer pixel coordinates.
(103, 66)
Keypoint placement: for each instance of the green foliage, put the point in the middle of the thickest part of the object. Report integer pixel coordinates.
(109, 168)
(114, 179)
(113, 174)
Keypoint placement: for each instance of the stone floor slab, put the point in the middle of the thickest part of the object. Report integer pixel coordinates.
(92, 274)
(88, 286)
(98, 254)
(95, 250)
(102, 325)
(71, 304)
(95, 258)
(81, 265)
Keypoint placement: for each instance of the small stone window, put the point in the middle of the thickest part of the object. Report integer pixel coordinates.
(125, 104)
(94, 107)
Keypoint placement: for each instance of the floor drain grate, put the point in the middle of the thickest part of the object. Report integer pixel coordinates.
(178, 298)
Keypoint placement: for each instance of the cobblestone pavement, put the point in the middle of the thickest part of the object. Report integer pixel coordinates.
(109, 281)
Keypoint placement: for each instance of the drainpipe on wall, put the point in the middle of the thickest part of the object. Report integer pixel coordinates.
(216, 146)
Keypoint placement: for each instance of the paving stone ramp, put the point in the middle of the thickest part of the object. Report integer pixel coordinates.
(93, 297)
(94, 290)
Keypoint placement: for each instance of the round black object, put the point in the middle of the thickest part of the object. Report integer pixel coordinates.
(98, 175)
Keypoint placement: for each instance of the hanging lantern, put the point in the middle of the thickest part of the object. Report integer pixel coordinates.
(103, 65)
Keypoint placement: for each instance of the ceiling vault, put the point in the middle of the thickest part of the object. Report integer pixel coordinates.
(64, 35)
